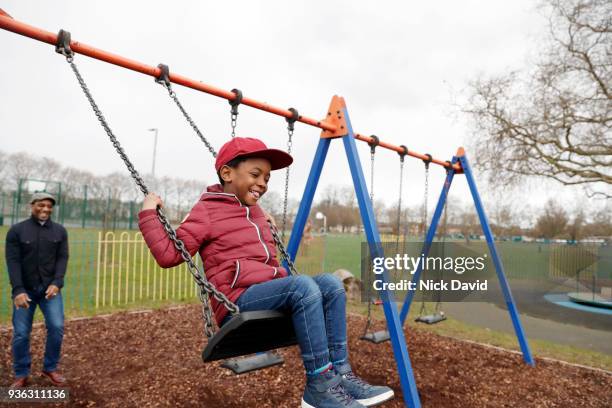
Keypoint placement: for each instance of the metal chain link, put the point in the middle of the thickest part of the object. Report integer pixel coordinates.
(425, 201)
(234, 110)
(205, 286)
(287, 170)
(399, 202)
(372, 176)
(189, 120)
(424, 221)
(234, 121)
(369, 317)
(206, 309)
(281, 248)
(444, 227)
(369, 321)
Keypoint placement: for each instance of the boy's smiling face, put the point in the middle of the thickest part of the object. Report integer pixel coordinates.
(248, 181)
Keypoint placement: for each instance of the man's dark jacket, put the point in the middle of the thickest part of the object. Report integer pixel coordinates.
(36, 255)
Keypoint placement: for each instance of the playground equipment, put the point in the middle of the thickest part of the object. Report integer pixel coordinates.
(438, 315)
(336, 125)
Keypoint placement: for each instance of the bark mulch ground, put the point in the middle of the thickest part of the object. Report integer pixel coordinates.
(153, 359)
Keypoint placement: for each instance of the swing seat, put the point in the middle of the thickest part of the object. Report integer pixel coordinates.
(431, 319)
(250, 332)
(376, 337)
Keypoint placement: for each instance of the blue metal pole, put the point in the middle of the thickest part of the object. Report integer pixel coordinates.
(499, 269)
(431, 233)
(398, 341)
(307, 197)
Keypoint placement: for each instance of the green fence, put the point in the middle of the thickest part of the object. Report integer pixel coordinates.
(76, 209)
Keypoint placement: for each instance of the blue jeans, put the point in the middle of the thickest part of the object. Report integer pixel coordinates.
(318, 309)
(53, 311)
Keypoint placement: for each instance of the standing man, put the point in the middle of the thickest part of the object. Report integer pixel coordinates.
(37, 255)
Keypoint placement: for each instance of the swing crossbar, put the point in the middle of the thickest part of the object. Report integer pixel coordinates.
(10, 24)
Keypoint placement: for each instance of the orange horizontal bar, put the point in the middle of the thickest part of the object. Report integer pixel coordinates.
(412, 153)
(80, 48)
(10, 24)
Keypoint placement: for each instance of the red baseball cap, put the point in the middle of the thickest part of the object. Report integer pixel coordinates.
(251, 147)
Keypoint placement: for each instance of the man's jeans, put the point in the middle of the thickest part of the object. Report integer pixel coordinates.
(318, 308)
(53, 311)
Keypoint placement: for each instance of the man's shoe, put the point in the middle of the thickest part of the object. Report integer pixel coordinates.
(56, 378)
(364, 393)
(325, 391)
(20, 382)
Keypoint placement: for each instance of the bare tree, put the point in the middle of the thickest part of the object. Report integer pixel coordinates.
(20, 166)
(553, 120)
(600, 224)
(552, 221)
(3, 172)
(468, 222)
(575, 228)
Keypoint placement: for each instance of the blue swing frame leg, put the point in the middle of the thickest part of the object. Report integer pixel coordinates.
(499, 268)
(398, 341)
(307, 197)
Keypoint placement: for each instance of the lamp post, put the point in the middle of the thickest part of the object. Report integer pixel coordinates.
(321, 216)
(154, 150)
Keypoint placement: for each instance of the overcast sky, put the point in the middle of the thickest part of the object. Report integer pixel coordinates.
(401, 67)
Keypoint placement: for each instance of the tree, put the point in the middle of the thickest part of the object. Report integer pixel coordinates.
(468, 222)
(552, 221)
(576, 226)
(553, 120)
(601, 223)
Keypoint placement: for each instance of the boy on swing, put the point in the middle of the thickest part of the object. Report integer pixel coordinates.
(233, 237)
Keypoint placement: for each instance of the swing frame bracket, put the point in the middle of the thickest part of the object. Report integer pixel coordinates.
(335, 117)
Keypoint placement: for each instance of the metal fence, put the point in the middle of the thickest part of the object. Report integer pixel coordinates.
(115, 271)
(76, 211)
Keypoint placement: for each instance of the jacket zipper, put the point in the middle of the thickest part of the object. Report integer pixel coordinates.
(258, 235)
(249, 220)
(236, 274)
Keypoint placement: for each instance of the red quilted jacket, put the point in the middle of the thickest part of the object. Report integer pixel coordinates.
(233, 239)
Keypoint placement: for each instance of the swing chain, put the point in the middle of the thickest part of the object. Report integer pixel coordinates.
(205, 286)
(369, 321)
(164, 80)
(234, 111)
(402, 156)
(290, 128)
(427, 161)
(373, 143)
(281, 248)
(426, 194)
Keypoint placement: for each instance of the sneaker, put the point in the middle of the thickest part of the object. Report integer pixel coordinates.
(325, 391)
(364, 393)
(20, 382)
